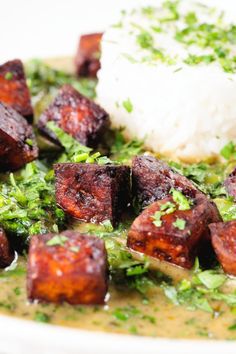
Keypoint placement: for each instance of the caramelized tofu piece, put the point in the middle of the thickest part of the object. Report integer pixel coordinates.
(17, 140)
(67, 267)
(168, 233)
(87, 60)
(91, 192)
(6, 254)
(230, 184)
(223, 237)
(76, 115)
(153, 179)
(13, 88)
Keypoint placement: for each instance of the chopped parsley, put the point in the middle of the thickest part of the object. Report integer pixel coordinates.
(128, 106)
(9, 75)
(180, 224)
(145, 40)
(44, 80)
(29, 142)
(228, 151)
(57, 240)
(41, 317)
(202, 291)
(157, 218)
(232, 327)
(214, 38)
(168, 207)
(27, 202)
(74, 249)
(182, 202)
(74, 151)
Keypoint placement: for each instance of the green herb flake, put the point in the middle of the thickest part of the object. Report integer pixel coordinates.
(137, 270)
(179, 224)
(107, 225)
(157, 219)
(29, 142)
(57, 240)
(9, 75)
(145, 40)
(232, 327)
(191, 18)
(17, 291)
(228, 151)
(133, 330)
(120, 315)
(74, 249)
(41, 317)
(181, 200)
(128, 106)
(211, 279)
(168, 208)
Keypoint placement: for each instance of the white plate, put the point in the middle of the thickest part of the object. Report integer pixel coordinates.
(31, 28)
(25, 337)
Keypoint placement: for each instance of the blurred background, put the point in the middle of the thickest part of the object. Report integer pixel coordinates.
(50, 28)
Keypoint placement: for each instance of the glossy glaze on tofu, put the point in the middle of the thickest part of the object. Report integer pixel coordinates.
(14, 90)
(179, 234)
(76, 115)
(17, 140)
(6, 253)
(91, 192)
(87, 60)
(223, 236)
(67, 267)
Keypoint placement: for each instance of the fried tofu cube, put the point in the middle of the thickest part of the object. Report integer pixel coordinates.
(67, 267)
(87, 60)
(223, 237)
(6, 253)
(17, 140)
(92, 192)
(152, 180)
(14, 90)
(230, 184)
(76, 115)
(166, 232)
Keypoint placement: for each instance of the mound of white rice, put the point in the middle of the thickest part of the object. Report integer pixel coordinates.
(184, 110)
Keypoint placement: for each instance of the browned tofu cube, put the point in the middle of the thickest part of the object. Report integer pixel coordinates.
(76, 115)
(223, 236)
(67, 267)
(152, 180)
(87, 60)
(17, 140)
(165, 231)
(91, 192)
(230, 184)
(13, 88)
(6, 253)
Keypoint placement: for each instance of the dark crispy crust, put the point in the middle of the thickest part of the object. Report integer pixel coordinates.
(153, 179)
(92, 192)
(230, 184)
(14, 132)
(76, 115)
(168, 242)
(76, 272)
(87, 60)
(13, 88)
(223, 236)
(6, 254)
